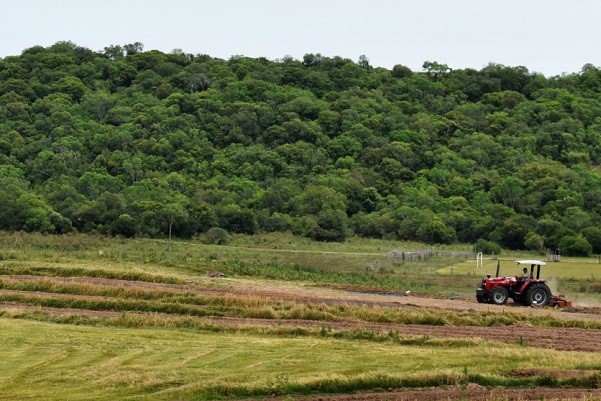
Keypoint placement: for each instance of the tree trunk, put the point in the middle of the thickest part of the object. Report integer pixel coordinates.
(169, 243)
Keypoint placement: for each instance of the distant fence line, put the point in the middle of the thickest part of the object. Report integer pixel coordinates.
(413, 256)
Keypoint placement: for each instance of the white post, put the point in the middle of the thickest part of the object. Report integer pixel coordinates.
(479, 260)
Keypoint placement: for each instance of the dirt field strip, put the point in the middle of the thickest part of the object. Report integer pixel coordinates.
(472, 392)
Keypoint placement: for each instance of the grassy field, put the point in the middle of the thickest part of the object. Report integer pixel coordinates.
(49, 361)
(357, 262)
(153, 343)
(283, 257)
(568, 268)
(264, 250)
(578, 278)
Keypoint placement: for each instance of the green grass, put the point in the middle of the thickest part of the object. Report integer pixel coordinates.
(566, 269)
(275, 249)
(578, 278)
(175, 355)
(50, 361)
(280, 257)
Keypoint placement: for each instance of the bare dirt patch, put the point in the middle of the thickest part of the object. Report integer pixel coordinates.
(555, 373)
(470, 392)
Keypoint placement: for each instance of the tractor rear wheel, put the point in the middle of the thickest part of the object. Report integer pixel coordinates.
(538, 294)
(499, 296)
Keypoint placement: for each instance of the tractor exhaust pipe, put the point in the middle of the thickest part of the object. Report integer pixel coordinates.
(498, 267)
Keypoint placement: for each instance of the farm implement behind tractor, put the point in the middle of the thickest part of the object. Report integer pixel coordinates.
(526, 289)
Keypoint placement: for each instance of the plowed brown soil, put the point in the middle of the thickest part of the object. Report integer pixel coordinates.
(472, 392)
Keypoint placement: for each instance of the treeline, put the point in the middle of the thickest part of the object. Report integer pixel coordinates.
(140, 143)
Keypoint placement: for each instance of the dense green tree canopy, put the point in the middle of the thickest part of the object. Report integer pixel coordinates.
(132, 142)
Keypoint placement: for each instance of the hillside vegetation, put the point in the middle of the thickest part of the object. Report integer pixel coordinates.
(143, 143)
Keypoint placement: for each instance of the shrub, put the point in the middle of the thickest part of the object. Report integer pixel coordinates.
(237, 219)
(534, 241)
(302, 225)
(575, 246)
(512, 232)
(593, 236)
(277, 222)
(124, 225)
(61, 224)
(375, 225)
(488, 247)
(217, 236)
(436, 232)
(331, 226)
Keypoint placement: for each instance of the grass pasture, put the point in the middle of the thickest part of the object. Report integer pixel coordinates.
(568, 268)
(109, 319)
(44, 360)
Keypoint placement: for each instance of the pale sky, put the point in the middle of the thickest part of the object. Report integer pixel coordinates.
(547, 36)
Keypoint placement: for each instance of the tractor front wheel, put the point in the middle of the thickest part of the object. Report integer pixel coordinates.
(538, 294)
(499, 296)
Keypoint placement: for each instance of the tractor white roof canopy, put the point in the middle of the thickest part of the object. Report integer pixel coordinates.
(531, 262)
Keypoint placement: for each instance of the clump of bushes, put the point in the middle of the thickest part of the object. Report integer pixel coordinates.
(217, 236)
(488, 247)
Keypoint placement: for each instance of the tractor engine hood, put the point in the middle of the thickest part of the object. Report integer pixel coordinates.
(498, 279)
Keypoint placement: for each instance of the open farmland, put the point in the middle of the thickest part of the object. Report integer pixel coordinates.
(578, 278)
(93, 318)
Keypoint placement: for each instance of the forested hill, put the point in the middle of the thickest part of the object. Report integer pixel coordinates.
(131, 142)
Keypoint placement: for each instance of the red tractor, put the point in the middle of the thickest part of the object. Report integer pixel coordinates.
(526, 289)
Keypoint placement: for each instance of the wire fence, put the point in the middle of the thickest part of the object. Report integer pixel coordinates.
(414, 256)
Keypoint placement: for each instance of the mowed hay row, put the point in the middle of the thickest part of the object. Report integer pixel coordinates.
(448, 336)
(166, 305)
(117, 295)
(260, 327)
(118, 272)
(139, 297)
